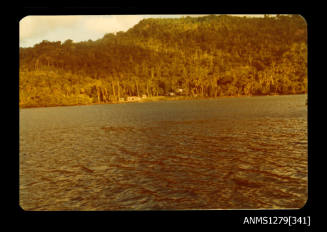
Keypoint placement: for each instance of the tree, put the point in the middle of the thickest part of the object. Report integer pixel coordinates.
(206, 56)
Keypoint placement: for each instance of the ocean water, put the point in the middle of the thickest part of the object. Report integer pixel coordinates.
(225, 153)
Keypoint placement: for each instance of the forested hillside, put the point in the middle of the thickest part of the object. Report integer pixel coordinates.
(206, 57)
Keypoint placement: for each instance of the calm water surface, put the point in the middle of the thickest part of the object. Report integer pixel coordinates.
(227, 153)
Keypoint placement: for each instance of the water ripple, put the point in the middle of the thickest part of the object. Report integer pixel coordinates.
(205, 161)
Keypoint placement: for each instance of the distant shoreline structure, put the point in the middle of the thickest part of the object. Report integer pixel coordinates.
(162, 98)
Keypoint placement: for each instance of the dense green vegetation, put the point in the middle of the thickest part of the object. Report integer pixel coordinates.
(207, 56)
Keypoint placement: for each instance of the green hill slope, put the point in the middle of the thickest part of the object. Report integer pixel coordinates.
(207, 56)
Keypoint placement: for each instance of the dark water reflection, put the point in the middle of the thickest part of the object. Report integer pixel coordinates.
(229, 153)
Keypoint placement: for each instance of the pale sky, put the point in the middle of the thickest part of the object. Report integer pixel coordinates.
(35, 29)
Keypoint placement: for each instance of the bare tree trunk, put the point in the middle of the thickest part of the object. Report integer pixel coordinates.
(137, 88)
(37, 64)
(98, 94)
(147, 88)
(104, 94)
(118, 89)
(113, 89)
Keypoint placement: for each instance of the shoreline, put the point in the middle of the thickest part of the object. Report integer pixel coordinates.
(161, 98)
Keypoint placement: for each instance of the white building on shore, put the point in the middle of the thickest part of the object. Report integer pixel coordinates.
(133, 98)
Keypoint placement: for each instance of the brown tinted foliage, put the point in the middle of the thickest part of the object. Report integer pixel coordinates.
(207, 56)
